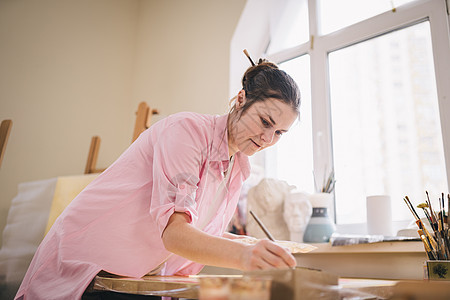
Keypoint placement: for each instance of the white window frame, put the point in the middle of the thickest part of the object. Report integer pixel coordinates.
(318, 47)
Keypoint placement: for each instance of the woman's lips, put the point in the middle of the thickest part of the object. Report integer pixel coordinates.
(255, 143)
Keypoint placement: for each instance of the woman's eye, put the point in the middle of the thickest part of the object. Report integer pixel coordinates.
(279, 133)
(264, 122)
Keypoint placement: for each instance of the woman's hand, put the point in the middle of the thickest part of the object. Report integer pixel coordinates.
(266, 255)
(181, 238)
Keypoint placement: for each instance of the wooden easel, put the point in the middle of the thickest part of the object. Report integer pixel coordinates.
(5, 129)
(143, 121)
(92, 156)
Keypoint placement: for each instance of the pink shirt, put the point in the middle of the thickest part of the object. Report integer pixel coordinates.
(115, 223)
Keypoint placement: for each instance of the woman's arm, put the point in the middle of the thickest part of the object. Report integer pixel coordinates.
(232, 236)
(183, 239)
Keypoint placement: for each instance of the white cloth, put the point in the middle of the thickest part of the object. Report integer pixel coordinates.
(25, 227)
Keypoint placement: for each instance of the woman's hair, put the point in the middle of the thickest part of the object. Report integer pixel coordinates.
(265, 80)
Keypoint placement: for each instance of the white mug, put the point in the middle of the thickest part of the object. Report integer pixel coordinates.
(379, 215)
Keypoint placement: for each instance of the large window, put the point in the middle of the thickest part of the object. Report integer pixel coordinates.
(375, 82)
(386, 128)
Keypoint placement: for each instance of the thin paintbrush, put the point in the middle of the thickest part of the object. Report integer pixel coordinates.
(433, 216)
(438, 233)
(442, 231)
(411, 207)
(431, 239)
(262, 227)
(448, 211)
(424, 206)
(329, 186)
(447, 218)
(441, 212)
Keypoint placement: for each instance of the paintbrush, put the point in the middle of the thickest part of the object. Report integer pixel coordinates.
(442, 231)
(262, 226)
(420, 224)
(427, 247)
(448, 211)
(433, 216)
(441, 212)
(411, 208)
(438, 245)
(424, 206)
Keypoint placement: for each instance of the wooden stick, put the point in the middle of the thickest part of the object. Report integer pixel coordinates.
(248, 56)
(5, 129)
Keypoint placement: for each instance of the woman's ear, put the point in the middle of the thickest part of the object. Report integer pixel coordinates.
(241, 99)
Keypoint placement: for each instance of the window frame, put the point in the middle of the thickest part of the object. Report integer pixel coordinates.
(319, 46)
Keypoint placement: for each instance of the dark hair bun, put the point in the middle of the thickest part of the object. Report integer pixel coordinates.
(265, 80)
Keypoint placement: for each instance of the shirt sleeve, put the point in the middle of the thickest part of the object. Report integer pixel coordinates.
(179, 154)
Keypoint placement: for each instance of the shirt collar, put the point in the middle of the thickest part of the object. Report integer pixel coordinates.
(219, 145)
(244, 164)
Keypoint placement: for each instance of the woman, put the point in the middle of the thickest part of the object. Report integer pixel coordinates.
(163, 206)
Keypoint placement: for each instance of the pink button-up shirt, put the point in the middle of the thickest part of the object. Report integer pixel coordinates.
(115, 224)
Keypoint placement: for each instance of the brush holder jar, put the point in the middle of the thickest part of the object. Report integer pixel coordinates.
(320, 227)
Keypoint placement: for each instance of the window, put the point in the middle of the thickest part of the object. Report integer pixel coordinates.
(386, 128)
(377, 81)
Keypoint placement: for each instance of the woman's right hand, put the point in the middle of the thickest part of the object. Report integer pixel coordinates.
(265, 255)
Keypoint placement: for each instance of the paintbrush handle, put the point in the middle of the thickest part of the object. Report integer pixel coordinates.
(431, 240)
(448, 210)
(427, 248)
(262, 227)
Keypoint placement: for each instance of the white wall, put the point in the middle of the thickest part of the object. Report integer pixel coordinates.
(77, 68)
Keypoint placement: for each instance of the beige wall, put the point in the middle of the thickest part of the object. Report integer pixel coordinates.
(183, 54)
(73, 69)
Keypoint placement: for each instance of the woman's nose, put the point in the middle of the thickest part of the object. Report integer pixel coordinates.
(267, 136)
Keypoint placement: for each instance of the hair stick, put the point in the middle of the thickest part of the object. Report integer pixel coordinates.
(248, 56)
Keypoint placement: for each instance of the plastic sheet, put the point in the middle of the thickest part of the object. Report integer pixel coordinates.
(235, 288)
(25, 227)
(169, 286)
(292, 284)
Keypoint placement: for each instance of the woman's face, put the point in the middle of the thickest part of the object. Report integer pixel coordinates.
(260, 126)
